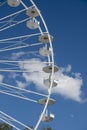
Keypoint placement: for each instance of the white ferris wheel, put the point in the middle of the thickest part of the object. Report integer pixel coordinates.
(26, 62)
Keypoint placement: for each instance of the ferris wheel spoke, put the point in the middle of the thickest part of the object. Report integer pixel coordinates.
(12, 25)
(2, 3)
(20, 37)
(22, 61)
(24, 5)
(20, 47)
(21, 89)
(18, 71)
(8, 122)
(5, 24)
(5, 21)
(13, 120)
(19, 66)
(9, 63)
(9, 46)
(13, 14)
(18, 96)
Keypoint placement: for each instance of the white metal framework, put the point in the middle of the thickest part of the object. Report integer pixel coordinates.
(18, 52)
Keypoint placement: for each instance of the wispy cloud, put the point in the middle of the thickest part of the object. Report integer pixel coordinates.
(66, 69)
(1, 77)
(20, 84)
(17, 55)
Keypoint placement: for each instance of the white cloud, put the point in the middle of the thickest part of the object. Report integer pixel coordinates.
(35, 75)
(66, 69)
(20, 84)
(17, 55)
(32, 65)
(68, 86)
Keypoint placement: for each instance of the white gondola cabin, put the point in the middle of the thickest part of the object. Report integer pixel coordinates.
(13, 3)
(32, 24)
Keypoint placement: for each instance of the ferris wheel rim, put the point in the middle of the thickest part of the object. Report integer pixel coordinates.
(45, 107)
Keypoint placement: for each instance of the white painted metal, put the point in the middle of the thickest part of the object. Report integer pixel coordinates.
(44, 37)
(48, 118)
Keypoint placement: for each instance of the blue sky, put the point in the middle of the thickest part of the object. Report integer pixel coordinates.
(67, 22)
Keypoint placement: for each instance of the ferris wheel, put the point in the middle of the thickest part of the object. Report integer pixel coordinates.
(26, 63)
